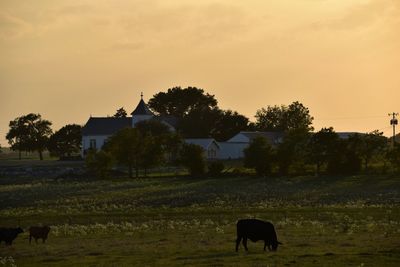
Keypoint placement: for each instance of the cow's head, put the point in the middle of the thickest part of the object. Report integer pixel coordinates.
(19, 230)
(275, 245)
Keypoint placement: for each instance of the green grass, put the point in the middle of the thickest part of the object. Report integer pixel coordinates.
(326, 221)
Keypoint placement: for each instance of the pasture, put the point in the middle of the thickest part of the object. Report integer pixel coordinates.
(180, 221)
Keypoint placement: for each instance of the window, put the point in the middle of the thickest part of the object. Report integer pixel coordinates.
(92, 143)
(212, 153)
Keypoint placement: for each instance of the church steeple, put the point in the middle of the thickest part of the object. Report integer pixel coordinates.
(141, 112)
(141, 108)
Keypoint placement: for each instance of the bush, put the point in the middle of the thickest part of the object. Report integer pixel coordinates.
(393, 156)
(192, 157)
(215, 168)
(99, 163)
(258, 155)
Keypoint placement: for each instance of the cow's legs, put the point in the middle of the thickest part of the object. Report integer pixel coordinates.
(245, 243)
(44, 240)
(30, 239)
(265, 244)
(36, 239)
(239, 238)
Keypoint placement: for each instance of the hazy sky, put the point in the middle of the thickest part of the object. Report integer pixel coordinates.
(69, 59)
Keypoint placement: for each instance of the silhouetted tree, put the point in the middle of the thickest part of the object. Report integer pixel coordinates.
(258, 155)
(152, 127)
(153, 152)
(344, 159)
(373, 145)
(192, 157)
(99, 162)
(121, 113)
(29, 133)
(199, 122)
(173, 146)
(215, 168)
(127, 148)
(393, 156)
(228, 124)
(179, 102)
(322, 147)
(292, 150)
(66, 141)
(284, 118)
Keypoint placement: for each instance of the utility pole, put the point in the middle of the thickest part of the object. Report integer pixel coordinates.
(394, 122)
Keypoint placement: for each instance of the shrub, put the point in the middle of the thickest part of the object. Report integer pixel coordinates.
(99, 163)
(215, 168)
(258, 155)
(192, 157)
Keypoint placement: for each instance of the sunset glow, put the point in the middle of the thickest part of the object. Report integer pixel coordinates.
(68, 60)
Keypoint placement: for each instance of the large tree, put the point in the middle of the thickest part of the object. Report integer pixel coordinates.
(29, 133)
(66, 141)
(368, 146)
(127, 148)
(258, 155)
(322, 147)
(199, 122)
(284, 118)
(228, 124)
(179, 101)
(292, 150)
(192, 157)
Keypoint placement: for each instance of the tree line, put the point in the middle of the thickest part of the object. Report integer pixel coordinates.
(198, 116)
(302, 152)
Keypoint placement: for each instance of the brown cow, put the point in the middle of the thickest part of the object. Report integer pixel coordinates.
(38, 232)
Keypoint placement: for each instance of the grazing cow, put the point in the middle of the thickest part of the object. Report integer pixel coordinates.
(38, 232)
(9, 234)
(255, 230)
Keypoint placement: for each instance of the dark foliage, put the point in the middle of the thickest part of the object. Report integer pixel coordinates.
(29, 133)
(284, 118)
(215, 168)
(120, 113)
(258, 155)
(99, 163)
(192, 157)
(66, 141)
(228, 124)
(179, 102)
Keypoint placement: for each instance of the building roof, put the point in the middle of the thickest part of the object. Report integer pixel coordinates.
(275, 137)
(203, 142)
(142, 109)
(105, 126)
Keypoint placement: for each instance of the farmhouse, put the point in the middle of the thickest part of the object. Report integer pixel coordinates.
(98, 129)
(210, 146)
(233, 148)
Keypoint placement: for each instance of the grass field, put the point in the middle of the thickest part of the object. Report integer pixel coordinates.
(179, 221)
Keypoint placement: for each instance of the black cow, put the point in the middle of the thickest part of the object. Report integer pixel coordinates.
(255, 230)
(38, 232)
(9, 234)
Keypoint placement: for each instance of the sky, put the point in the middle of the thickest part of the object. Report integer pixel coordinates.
(69, 59)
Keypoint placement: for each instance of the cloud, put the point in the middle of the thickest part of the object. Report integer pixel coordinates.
(12, 27)
(361, 16)
(194, 24)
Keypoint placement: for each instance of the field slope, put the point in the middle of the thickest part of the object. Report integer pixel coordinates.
(325, 221)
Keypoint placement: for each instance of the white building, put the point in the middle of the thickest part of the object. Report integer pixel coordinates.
(234, 147)
(210, 146)
(98, 129)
